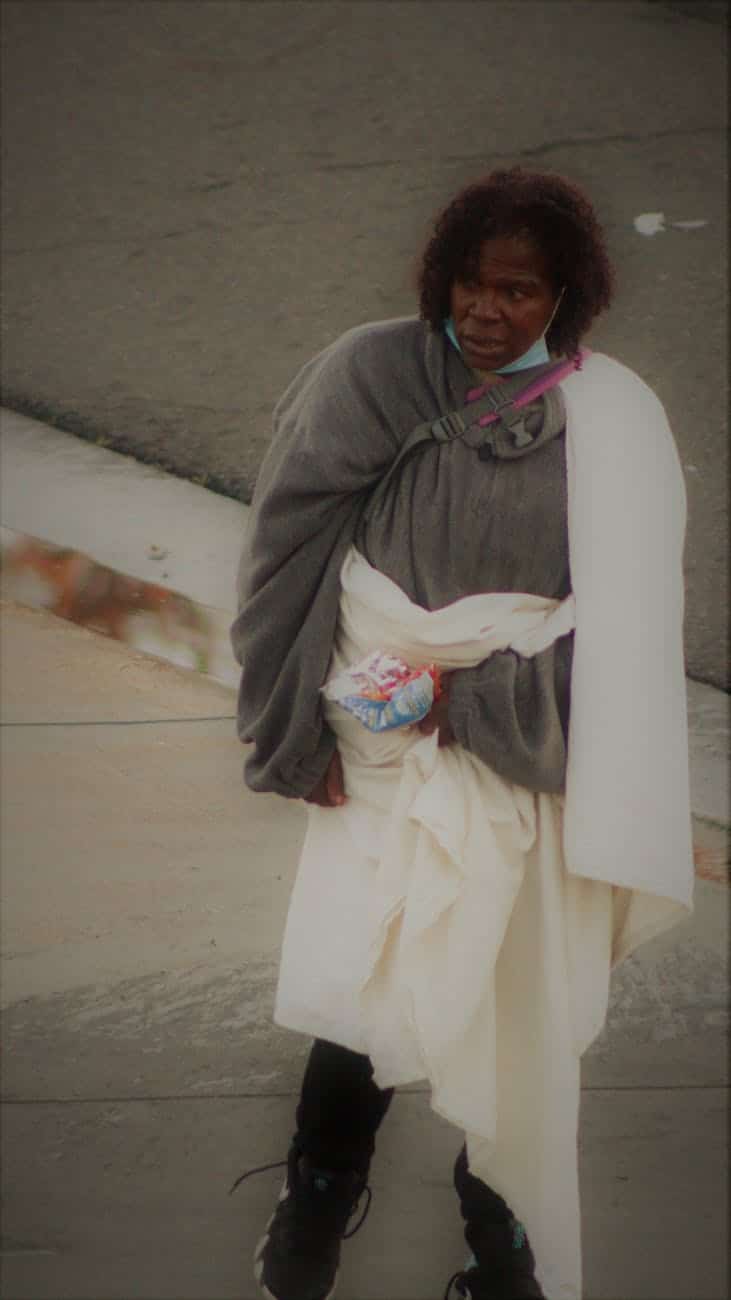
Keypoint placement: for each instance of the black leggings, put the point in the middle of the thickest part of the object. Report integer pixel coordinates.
(340, 1108)
(338, 1115)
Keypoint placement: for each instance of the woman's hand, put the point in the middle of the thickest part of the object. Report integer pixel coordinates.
(438, 716)
(330, 789)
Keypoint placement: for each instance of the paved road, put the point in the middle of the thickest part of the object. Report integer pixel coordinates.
(199, 196)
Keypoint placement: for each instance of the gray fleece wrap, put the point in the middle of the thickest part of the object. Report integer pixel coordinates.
(337, 429)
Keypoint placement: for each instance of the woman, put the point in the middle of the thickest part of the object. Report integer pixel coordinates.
(465, 885)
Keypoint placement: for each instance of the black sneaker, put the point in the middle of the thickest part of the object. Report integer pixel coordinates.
(299, 1254)
(502, 1266)
(506, 1267)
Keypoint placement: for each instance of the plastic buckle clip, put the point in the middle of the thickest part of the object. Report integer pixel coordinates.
(448, 427)
(513, 420)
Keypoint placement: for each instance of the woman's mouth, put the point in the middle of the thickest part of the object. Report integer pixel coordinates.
(489, 344)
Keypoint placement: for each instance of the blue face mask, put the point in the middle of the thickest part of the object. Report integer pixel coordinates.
(537, 353)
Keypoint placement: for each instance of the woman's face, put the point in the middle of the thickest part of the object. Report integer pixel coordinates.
(501, 313)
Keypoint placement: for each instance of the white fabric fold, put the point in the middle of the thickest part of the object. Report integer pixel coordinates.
(406, 898)
(627, 786)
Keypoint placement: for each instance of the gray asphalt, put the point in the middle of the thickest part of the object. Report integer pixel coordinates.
(197, 197)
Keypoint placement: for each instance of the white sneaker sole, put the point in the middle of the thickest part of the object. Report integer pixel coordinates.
(259, 1262)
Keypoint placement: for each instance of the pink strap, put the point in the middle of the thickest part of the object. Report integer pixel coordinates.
(541, 385)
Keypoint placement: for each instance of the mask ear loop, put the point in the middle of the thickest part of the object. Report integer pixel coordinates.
(553, 313)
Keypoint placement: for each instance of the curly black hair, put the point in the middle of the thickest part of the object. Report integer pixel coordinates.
(555, 213)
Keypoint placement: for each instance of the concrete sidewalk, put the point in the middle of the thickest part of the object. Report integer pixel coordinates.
(144, 894)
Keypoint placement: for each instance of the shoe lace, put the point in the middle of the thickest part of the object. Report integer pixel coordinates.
(282, 1164)
(461, 1279)
(263, 1169)
(457, 1280)
(364, 1215)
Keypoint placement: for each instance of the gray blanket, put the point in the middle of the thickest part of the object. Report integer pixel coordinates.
(449, 525)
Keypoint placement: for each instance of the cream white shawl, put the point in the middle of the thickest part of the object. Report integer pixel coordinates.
(627, 792)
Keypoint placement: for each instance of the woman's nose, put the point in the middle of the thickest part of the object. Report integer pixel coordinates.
(485, 305)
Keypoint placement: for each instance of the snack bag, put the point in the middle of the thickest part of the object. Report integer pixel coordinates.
(383, 692)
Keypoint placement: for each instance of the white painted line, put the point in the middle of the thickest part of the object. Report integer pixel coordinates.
(649, 223)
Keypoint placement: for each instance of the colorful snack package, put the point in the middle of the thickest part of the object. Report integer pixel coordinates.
(383, 692)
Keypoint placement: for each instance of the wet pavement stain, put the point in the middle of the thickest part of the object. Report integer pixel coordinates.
(144, 615)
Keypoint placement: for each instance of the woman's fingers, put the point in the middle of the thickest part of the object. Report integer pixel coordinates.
(330, 789)
(334, 781)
